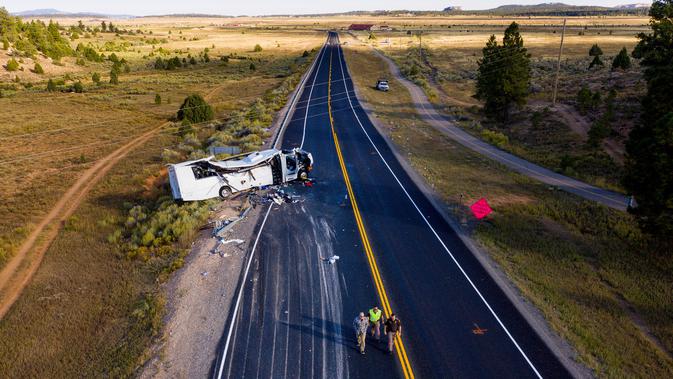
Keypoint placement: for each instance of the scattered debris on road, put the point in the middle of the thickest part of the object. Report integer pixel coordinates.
(331, 260)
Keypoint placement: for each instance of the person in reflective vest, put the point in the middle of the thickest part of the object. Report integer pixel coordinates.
(375, 322)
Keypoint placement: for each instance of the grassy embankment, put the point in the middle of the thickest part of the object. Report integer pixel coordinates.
(587, 268)
(93, 306)
(553, 137)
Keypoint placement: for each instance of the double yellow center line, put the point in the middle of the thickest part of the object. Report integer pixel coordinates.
(401, 351)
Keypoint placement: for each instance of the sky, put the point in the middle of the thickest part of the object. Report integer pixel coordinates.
(267, 7)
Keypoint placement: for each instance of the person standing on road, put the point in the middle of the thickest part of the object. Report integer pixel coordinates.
(375, 322)
(360, 324)
(392, 327)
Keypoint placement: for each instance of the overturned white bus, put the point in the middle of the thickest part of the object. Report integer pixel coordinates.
(208, 178)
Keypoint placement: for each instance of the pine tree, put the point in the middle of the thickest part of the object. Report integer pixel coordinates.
(584, 99)
(649, 156)
(596, 62)
(622, 60)
(595, 51)
(503, 77)
(195, 109)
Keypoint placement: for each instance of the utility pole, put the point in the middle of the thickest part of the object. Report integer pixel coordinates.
(558, 64)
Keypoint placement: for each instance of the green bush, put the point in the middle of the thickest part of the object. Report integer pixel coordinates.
(157, 99)
(51, 86)
(252, 67)
(38, 69)
(195, 109)
(596, 62)
(257, 48)
(78, 87)
(12, 65)
(495, 138)
(114, 77)
(622, 60)
(95, 77)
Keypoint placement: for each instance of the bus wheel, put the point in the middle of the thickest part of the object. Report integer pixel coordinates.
(225, 192)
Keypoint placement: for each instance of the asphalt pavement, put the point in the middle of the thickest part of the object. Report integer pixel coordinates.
(295, 314)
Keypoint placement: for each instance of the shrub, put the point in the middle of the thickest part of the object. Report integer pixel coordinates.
(195, 109)
(78, 87)
(305, 53)
(192, 60)
(38, 69)
(5, 43)
(12, 65)
(494, 137)
(257, 48)
(157, 99)
(159, 64)
(95, 78)
(252, 67)
(51, 86)
(114, 77)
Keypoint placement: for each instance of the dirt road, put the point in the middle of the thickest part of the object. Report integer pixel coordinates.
(21, 267)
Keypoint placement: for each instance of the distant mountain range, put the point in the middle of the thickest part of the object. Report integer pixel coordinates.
(544, 9)
(50, 12)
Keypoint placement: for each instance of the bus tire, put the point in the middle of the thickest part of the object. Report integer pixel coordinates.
(225, 191)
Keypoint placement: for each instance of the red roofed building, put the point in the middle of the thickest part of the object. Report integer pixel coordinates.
(360, 27)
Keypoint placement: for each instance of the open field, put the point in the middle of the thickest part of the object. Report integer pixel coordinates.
(102, 301)
(599, 283)
(555, 137)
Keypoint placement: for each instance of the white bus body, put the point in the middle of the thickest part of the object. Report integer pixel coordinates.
(208, 178)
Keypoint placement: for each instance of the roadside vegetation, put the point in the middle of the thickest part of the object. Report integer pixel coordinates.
(571, 138)
(600, 282)
(95, 303)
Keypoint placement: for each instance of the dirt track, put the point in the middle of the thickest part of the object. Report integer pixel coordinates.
(24, 263)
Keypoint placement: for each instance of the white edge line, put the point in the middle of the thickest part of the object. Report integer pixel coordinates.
(254, 247)
(240, 295)
(433, 229)
(310, 93)
(294, 102)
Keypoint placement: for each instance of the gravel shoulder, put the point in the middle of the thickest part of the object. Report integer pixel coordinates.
(199, 297)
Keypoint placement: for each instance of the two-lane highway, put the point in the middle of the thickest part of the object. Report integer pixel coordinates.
(294, 317)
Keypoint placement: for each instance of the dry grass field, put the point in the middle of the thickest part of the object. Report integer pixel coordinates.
(597, 281)
(90, 310)
(555, 137)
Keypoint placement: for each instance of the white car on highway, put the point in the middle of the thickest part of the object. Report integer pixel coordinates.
(208, 178)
